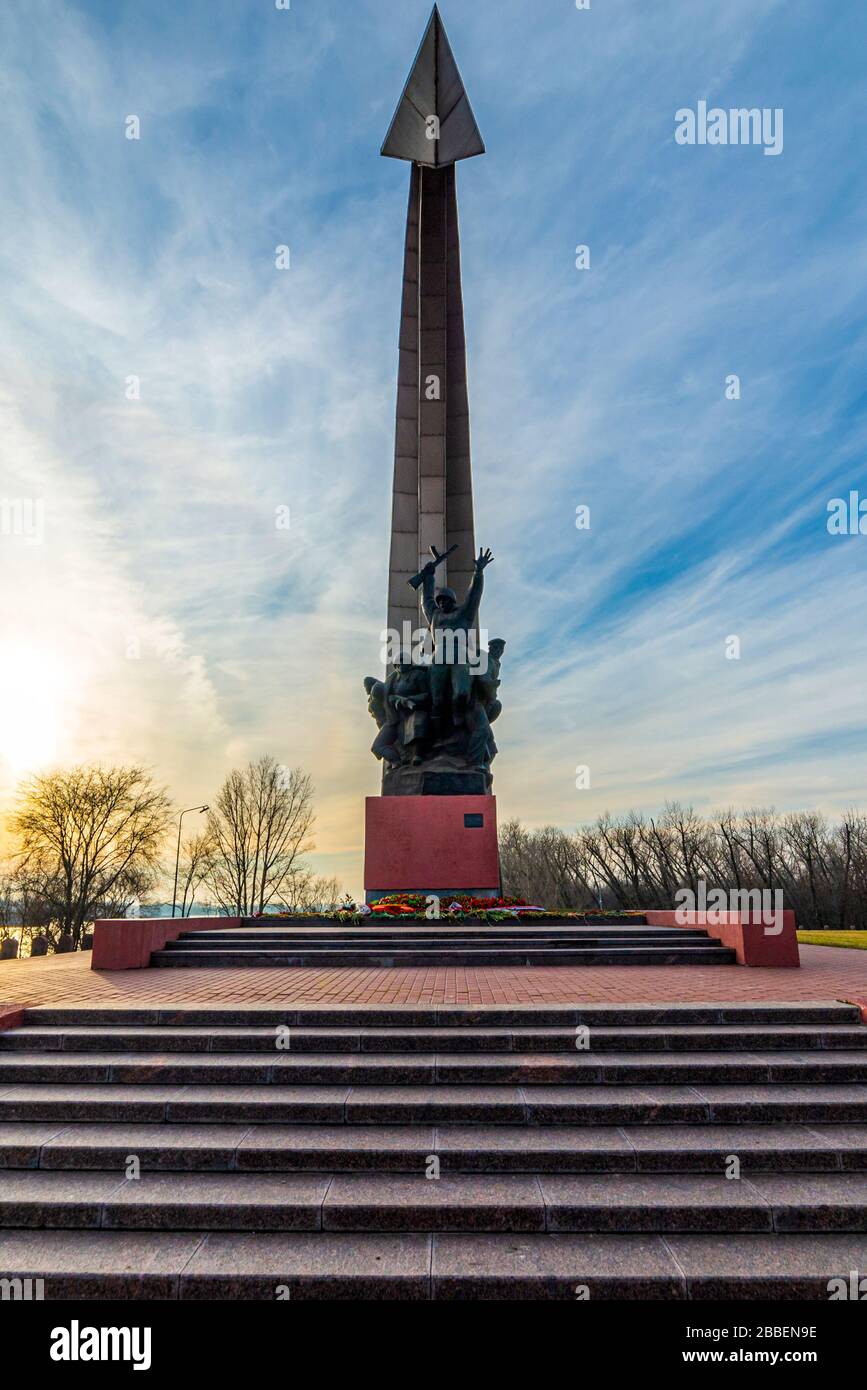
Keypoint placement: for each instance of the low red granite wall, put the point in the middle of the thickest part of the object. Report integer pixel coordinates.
(755, 941)
(126, 943)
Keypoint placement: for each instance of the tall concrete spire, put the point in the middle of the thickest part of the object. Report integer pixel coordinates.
(433, 127)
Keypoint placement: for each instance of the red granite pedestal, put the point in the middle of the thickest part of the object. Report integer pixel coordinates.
(431, 844)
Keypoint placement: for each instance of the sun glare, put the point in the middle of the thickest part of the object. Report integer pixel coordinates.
(32, 692)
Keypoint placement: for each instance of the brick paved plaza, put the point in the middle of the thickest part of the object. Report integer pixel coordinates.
(826, 974)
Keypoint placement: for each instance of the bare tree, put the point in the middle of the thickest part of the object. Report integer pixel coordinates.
(9, 903)
(89, 840)
(626, 862)
(309, 892)
(258, 828)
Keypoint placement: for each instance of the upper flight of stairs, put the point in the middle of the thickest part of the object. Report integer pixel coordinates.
(627, 942)
(288, 1149)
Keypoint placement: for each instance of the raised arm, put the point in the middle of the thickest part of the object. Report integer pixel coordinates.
(469, 610)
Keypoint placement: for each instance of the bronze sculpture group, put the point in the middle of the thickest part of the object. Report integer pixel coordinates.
(435, 709)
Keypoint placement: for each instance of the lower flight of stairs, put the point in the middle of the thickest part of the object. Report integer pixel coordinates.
(629, 941)
(261, 1153)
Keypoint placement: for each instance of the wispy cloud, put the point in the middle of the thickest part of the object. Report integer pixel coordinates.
(262, 389)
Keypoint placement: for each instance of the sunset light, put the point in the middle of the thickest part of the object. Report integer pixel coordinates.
(34, 692)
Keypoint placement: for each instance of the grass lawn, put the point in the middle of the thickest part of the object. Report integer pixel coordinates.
(858, 939)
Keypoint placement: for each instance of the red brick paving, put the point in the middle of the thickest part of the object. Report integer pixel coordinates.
(826, 973)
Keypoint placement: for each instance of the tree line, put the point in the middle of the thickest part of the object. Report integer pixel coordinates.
(632, 861)
(93, 842)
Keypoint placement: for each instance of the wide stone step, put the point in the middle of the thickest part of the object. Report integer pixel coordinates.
(386, 958)
(643, 1149)
(765, 1148)
(690, 1267)
(451, 1016)
(296, 1039)
(104, 1265)
(410, 1203)
(292, 945)
(440, 936)
(418, 1069)
(826, 1104)
(435, 1152)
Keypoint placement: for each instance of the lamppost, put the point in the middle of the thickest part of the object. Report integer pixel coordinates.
(178, 855)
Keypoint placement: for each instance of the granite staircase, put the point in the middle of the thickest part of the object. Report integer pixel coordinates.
(456, 1153)
(629, 941)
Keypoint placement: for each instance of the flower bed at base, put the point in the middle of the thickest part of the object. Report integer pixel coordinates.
(420, 908)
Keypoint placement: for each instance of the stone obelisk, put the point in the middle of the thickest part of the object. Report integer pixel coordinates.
(440, 836)
(433, 128)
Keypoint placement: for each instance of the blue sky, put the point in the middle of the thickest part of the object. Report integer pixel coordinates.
(164, 617)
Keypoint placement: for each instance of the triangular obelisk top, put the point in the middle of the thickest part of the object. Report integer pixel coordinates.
(434, 123)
